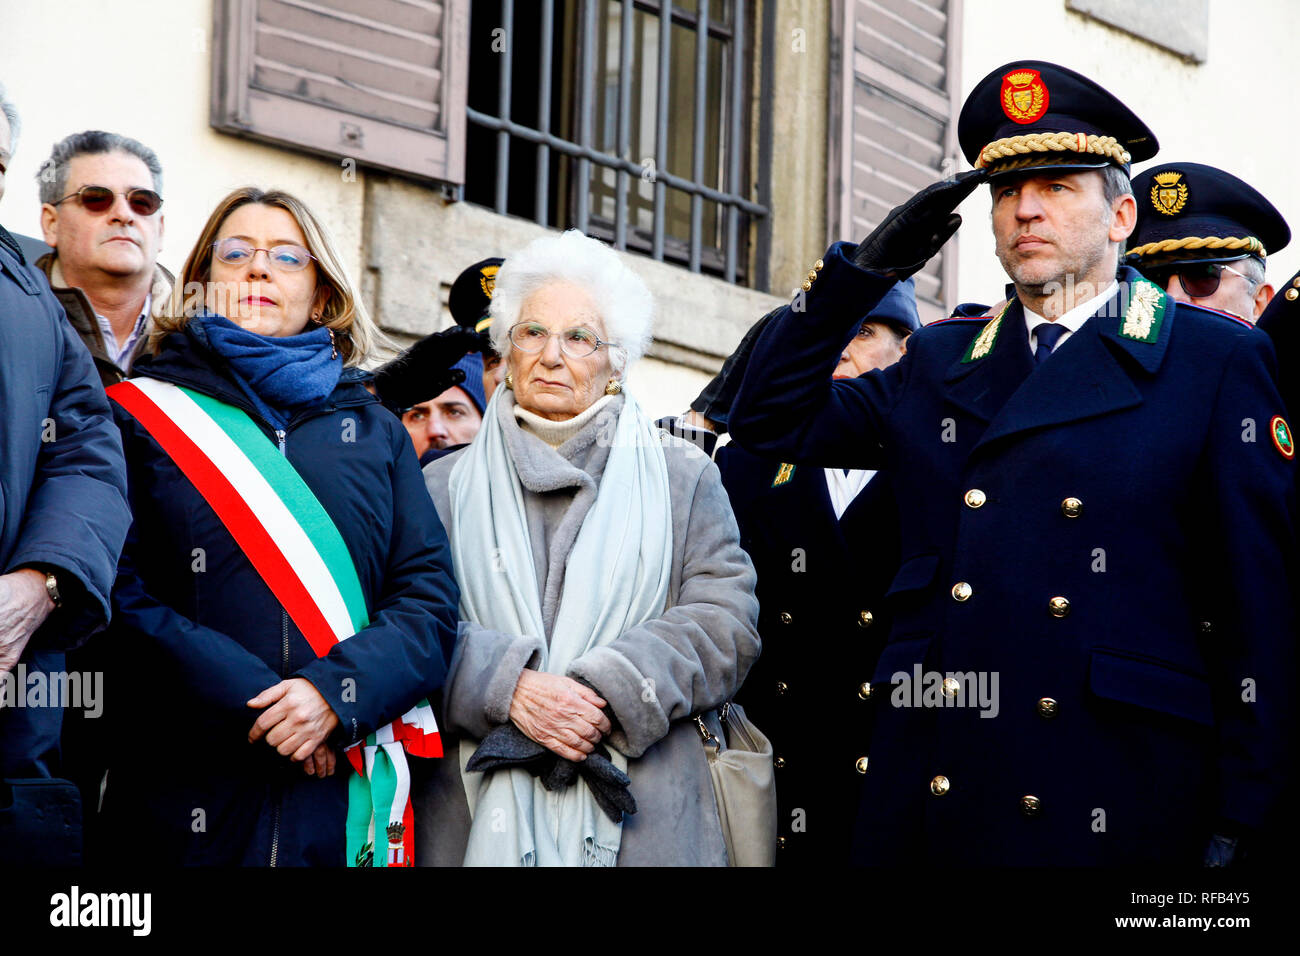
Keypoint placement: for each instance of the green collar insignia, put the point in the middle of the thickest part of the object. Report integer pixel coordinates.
(1145, 312)
(983, 343)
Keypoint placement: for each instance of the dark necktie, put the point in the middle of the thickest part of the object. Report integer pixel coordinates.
(1049, 333)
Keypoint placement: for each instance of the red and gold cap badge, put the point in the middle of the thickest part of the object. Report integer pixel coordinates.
(1024, 96)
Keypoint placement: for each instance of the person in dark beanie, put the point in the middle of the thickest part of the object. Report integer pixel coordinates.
(452, 418)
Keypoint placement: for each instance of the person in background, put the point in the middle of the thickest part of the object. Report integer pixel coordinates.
(63, 518)
(606, 600)
(101, 210)
(1203, 236)
(451, 419)
(823, 569)
(286, 588)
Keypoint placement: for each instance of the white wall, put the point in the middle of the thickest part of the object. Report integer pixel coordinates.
(142, 68)
(1235, 111)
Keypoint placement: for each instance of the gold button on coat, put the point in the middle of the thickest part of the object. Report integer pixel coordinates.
(975, 498)
(1047, 707)
(819, 265)
(782, 687)
(950, 687)
(1291, 295)
(865, 619)
(785, 617)
(864, 690)
(861, 764)
(778, 762)
(961, 591)
(1059, 606)
(1072, 507)
(1030, 805)
(940, 785)
(805, 285)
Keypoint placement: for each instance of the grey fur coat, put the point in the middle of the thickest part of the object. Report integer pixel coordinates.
(655, 677)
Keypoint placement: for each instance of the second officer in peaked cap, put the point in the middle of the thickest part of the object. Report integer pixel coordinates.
(1203, 235)
(1075, 500)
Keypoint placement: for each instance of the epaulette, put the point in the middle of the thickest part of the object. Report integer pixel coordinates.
(1227, 315)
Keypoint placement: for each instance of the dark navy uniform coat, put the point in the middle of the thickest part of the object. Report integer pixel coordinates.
(1122, 570)
(821, 585)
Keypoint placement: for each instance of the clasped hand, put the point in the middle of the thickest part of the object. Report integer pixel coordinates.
(296, 722)
(561, 714)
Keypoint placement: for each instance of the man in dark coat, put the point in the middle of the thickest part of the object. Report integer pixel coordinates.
(1073, 510)
(824, 543)
(63, 518)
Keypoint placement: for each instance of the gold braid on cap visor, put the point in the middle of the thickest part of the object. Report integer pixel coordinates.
(1250, 245)
(1024, 150)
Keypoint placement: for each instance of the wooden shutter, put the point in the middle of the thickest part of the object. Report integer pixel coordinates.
(894, 124)
(380, 81)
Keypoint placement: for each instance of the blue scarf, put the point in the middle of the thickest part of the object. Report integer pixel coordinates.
(279, 374)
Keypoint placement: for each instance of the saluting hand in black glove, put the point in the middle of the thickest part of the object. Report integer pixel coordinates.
(424, 371)
(912, 233)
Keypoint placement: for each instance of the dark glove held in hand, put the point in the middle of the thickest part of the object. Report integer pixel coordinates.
(507, 746)
(424, 371)
(912, 233)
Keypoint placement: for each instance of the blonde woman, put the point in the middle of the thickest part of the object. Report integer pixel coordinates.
(285, 592)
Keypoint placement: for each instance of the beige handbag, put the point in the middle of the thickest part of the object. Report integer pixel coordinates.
(744, 786)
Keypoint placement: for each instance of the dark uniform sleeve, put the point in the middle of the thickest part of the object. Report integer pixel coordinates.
(788, 407)
(77, 514)
(1253, 484)
(401, 656)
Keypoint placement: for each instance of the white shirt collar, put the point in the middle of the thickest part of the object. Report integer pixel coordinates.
(1074, 319)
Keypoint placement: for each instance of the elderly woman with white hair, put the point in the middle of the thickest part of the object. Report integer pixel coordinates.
(605, 598)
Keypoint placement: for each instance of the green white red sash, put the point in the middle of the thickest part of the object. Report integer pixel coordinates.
(294, 545)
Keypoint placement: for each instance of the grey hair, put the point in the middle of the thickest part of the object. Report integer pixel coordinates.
(1254, 270)
(621, 297)
(1115, 182)
(11, 114)
(91, 142)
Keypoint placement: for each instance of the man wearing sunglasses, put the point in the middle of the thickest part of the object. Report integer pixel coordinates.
(1202, 235)
(101, 211)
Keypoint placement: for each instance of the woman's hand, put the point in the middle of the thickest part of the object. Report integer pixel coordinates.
(297, 723)
(320, 763)
(559, 713)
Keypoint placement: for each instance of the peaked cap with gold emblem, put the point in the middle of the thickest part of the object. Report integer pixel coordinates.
(471, 294)
(1188, 212)
(1029, 114)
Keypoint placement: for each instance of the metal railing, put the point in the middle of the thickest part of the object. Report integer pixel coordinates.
(588, 156)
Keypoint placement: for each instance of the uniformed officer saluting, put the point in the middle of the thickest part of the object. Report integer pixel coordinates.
(1079, 476)
(1203, 236)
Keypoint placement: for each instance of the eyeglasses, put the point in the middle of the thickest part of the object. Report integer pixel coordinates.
(287, 257)
(97, 199)
(1200, 280)
(577, 342)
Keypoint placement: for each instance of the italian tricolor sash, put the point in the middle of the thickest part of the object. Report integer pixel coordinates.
(294, 545)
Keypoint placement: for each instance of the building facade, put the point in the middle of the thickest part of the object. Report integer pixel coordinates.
(720, 143)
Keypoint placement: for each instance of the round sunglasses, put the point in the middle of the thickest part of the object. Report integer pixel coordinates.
(99, 199)
(1200, 280)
